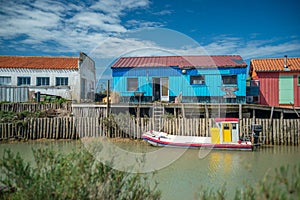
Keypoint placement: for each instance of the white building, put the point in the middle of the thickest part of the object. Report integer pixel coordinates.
(72, 78)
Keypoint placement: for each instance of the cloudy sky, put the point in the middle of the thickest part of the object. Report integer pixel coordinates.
(107, 29)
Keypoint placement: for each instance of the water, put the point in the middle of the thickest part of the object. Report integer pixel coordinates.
(195, 169)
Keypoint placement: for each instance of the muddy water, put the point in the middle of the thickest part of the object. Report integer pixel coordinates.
(194, 169)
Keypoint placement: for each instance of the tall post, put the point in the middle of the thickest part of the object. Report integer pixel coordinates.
(240, 119)
(108, 103)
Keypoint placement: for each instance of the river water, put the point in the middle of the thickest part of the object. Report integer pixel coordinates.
(193, 169)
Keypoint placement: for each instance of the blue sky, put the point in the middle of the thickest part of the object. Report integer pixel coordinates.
(107, 29)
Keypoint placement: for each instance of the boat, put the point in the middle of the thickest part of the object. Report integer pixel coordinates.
(223, 135)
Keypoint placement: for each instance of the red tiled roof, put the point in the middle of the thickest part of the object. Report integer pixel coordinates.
(275, 64)
(180, 61)
(39, 62)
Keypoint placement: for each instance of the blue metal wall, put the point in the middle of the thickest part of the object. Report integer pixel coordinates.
(179, 82)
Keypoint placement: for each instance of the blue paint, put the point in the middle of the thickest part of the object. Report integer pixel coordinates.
(180, 83)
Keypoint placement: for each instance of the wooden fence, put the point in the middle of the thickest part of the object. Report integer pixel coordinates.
(33, 107)
(275, 132)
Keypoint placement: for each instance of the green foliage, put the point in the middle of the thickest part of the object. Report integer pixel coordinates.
(119, 121)
(59, 101)
(14, 117)
(283, 184)
(169, 116)
(76, 175)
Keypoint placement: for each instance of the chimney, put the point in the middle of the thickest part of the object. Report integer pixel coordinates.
(285, 62)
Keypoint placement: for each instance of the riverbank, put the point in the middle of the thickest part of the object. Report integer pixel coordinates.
(275, 132)
(67, 121)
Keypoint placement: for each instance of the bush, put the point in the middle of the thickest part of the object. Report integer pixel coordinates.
(12, 117)
(76, 175)
(283, 184)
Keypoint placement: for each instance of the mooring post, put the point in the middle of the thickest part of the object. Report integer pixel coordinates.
(253, 116)
(107, 95)
(240, 117)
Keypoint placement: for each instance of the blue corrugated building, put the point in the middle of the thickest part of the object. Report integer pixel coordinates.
(187, 79)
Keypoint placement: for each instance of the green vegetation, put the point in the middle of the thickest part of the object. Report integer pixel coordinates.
(76, 175)
(52, 99)
(13, 117)
(283, 184)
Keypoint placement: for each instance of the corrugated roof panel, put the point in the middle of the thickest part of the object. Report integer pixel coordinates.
(181, 61)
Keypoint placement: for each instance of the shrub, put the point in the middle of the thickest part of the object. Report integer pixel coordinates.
(76, 175)
(283, 184)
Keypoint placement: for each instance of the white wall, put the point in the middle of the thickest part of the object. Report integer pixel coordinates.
(74, 91)
(68, 92)
(88, 74)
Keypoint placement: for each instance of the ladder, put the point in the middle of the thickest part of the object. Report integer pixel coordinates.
(158, 112)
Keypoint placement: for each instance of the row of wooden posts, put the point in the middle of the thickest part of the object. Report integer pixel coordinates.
(275, 132)
(33, 107)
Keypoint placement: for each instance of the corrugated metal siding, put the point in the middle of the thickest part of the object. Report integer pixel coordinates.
(14, 94)
(177, 81)
(137, 72)
(297, 91)
(269, 89)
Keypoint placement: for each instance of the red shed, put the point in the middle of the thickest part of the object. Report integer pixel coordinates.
(279, 80)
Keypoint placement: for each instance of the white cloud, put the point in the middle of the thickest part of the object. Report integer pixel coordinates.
(252, 48)
(71, 27)
(97, 21)
(98, 27)
(113, 47)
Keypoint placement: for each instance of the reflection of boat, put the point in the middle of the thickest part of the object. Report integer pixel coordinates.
(224, 135)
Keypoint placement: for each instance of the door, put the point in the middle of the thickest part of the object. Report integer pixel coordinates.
(226, 128)
(164, 89)
(235, 132)
(286, 90)
(156, 89)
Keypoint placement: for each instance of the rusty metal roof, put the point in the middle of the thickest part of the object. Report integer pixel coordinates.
(39, 62)
(181, 61)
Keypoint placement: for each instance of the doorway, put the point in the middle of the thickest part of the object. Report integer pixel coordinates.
(226, 129)
(286, 90)
(160, 89)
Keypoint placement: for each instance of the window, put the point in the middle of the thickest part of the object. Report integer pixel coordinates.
(298, 80)
(229, 80)
(132, 84)
(197, 80)
(5, 80)
(23, 81)
(42, 81)
(62, 81)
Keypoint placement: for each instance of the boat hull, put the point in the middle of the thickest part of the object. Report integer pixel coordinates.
(167, 141)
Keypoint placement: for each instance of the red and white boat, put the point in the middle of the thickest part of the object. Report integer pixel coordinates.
(225, 135)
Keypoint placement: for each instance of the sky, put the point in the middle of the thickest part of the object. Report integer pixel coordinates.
(108, 29)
